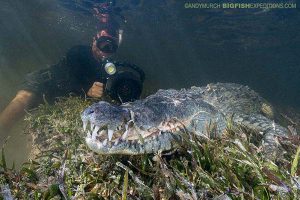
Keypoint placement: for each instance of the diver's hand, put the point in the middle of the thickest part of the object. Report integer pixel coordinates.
(96, 91)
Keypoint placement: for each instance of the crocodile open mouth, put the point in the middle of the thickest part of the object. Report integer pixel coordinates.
(128, 138)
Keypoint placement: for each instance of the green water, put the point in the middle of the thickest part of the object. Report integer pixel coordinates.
(176, 47)
(33, 35)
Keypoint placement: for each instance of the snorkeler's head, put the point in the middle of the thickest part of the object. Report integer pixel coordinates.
(107, 40)
(105, 44)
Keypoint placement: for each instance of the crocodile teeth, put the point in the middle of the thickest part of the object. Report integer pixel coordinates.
(85, 125)
(117, 141)
(96, 129)
(89, 134)
(94, 134)
(92, 126)
(99, 145)
(132, 115)
(104, 142)
(124, 136)
(102, 132)
(110, 134)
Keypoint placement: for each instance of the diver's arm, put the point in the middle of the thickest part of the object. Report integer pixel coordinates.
(16, 108)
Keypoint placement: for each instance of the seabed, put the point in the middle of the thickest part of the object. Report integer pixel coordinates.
(62, 167)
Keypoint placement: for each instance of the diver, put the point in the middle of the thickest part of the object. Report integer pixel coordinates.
(84, 70)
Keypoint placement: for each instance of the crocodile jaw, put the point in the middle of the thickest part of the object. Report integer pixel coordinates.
(131, 141)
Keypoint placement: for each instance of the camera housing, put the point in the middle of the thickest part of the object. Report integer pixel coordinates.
(126, 83)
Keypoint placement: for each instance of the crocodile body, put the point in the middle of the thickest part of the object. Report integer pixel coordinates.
(153, 124)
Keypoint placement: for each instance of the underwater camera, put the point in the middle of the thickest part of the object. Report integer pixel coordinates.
(123, 81)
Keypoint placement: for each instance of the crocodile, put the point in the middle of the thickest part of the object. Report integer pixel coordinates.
(157, 122)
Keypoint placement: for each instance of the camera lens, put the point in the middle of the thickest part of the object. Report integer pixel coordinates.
(124, 88)
(126, 83)
(107, 44)
(128, 90)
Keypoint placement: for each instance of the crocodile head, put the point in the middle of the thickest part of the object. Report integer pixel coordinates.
(113, 129)
(159, 121)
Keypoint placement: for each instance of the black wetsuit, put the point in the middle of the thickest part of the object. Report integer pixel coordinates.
(75, 73)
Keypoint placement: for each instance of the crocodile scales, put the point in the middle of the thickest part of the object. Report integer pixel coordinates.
(153, 124)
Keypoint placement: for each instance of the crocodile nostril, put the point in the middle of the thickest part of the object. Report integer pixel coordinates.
(90, 112)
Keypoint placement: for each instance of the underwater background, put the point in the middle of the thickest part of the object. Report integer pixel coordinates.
(176, 46)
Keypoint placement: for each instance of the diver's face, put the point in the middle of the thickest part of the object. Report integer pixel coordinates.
(98, 54)
(102, 49)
